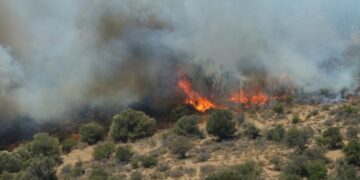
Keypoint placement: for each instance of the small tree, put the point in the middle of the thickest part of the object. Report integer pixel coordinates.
(103, 151)
(43, 144)
(180, 111)
(123, 154)
(9, 162)
(41, 167)
(187, 126)
(331, 138)
(68, 144)
(276, 134)
(316, 170)
(91, 132)
(297, 137)
(251, 131)
(221, 124)
(180, 146)
(352, 152)
(131, 124)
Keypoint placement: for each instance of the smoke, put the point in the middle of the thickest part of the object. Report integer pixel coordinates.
(57, 57)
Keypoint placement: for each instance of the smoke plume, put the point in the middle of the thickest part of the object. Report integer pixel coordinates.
(57, 57)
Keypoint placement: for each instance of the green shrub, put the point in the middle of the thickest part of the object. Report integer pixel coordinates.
(41, 167)
(179, 146)
(123, 154)
(103, 151)
(331, 138)
(136, 176)
(276, 134)
(131, 124)
(187, 126)
(297, 137)
(352, 152)
(316, 170)
(77, 170)
(352, 132)
(180, 111)
(8, 176)
(279, 109)
(43, 144)
(345, 171)
(295, 119)
(251, 131)
(221, 124)
(68, 145)
(248, 170)
(148, 161)
(91, 132)
(98, 173)
(9, 162)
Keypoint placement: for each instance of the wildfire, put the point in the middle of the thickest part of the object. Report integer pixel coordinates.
(193, 98)
(247, 99)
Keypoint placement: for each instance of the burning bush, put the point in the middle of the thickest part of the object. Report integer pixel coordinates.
(131, 124)
(221, 124)
(91, 132)
(187, 126)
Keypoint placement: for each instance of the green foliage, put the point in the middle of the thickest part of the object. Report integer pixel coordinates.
(8, 176)
(179, 146)
(295, 119)
(279, 109)
(136, 176)
(221, 124)
(276, 133)
(352, 152)
(91, 132)
(43, 144)
(251, 131)
(9, 162)
(187, 126)
(98, 173)
(146, 161)
(297, 137)
(331, 138)
(131, 124)
(246, 171)
(68, 144)
(180, 111)
(316, 170)
(103, 151)
(41, 167)
(123, 154)
(77, 170)
(345, 171)
(352, 132)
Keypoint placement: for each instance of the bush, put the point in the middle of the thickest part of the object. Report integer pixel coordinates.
(295, 119)
(187, 126)
(41, 167)
(103, 151)
(331, 138)
(180, 111)
(91, 132)
(179, 146)
(344, 171)
(68, 145)
(316, 170)
(297, 137)
(131, 124)
(77, 170)
(276, 134)
(148, 161)
(43, 144)
(352, 132)
(248, 170)
(352, 152)
(98, 173)
(221, 124)
(123, 154)
(279, 109)
(251, 131)
(136, 176)
(9, 162)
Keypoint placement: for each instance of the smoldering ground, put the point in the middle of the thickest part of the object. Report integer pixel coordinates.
(58, 57)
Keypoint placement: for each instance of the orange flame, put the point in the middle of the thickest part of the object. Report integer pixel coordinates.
(193, 98)
(247, 99)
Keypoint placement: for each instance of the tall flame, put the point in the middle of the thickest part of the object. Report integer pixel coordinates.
(193, 98)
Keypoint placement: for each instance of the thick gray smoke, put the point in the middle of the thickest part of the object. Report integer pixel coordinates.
(57, 57)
